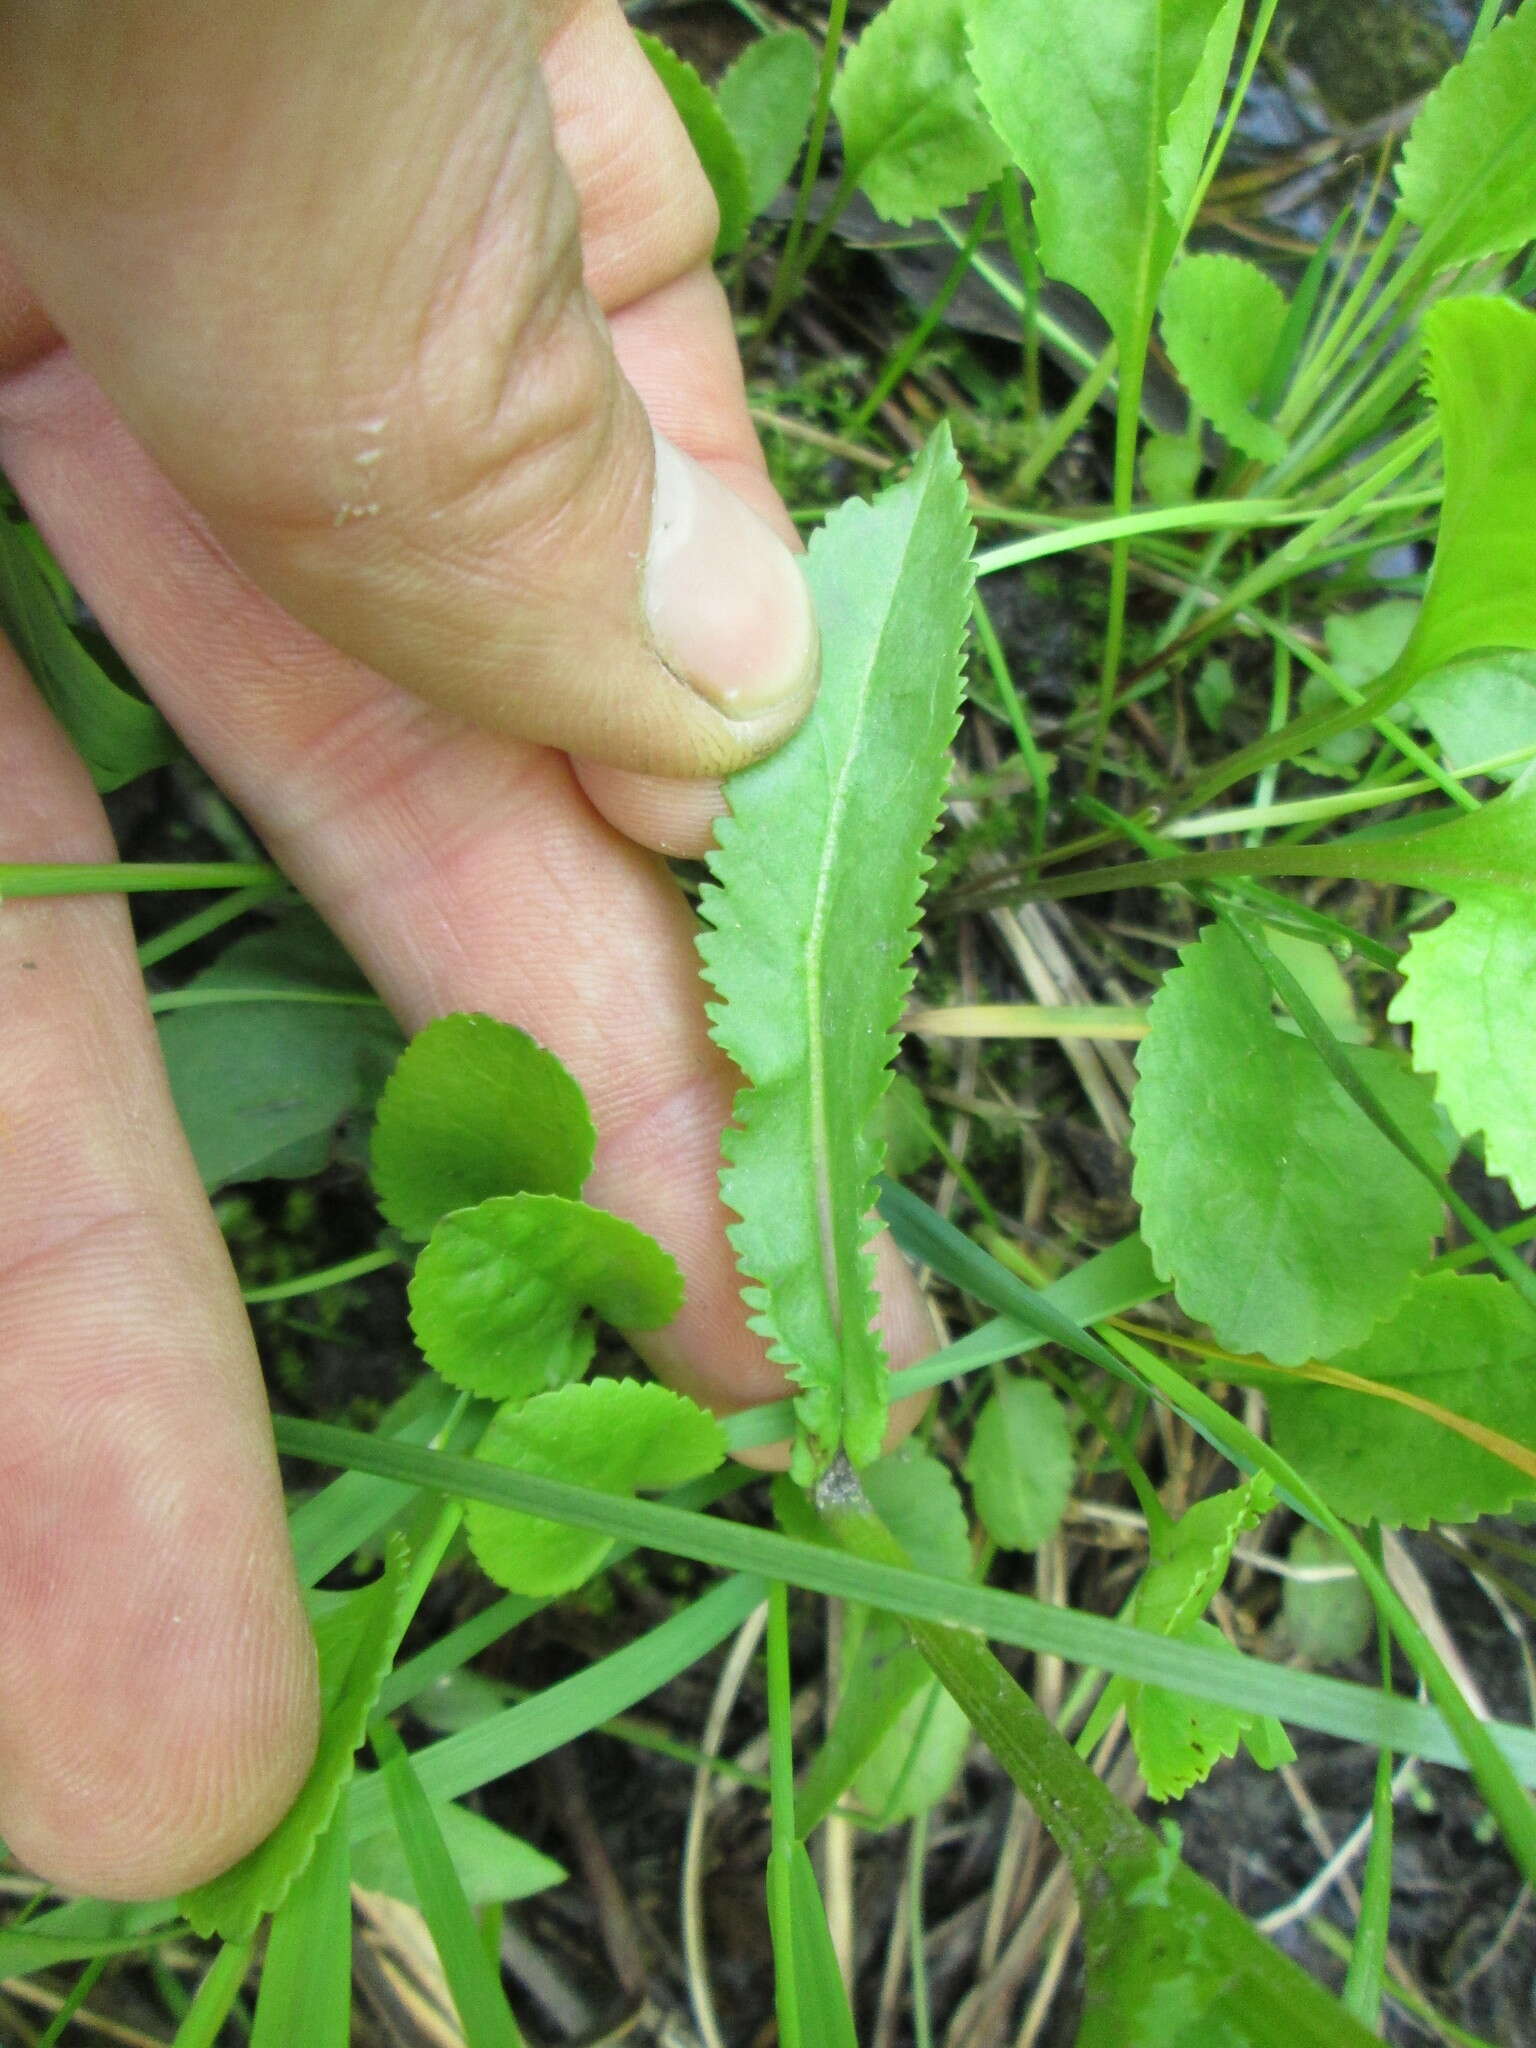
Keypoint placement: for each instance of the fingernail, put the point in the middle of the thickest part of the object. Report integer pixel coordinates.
(729, 608)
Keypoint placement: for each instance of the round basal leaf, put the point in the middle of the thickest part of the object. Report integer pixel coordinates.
(915, 1495)
(1328, 1621)
(475, 1108)
(915, 136)
(766, 98)
(1021, 1464)
(1466, 1345)
(498, 1296)
(713, 143)
(1281, 1215)
(616, 1436)
(1222, 321)
(1482, 709)
(1470, 995)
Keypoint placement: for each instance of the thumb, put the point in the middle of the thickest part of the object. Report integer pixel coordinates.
(327, 264)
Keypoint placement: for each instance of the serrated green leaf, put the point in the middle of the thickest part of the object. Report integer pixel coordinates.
(1021, 1464)
(494, 1867)
(473, 1109)
(1481, 709)
(617, 1436)
(715, 146)
(1250, 1161)
(915, 138)
(356, 1636)
(817, 878)
(499, 1296)
(766, 98)
(1179, 1739)
(1107, 111)
(1222, 321)
(1470, 994)
(1481, 360)
(1467, 178)
(1328, 1621)
(1465, 1344)
(118, 734)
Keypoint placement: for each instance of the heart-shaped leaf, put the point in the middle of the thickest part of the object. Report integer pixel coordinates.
(473, 1109)
(499, 1296)
(617, 1436)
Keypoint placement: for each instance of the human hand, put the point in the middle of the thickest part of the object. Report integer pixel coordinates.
(330, 360)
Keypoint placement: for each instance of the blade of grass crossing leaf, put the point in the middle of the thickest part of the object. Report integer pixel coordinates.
(1317, 1034)
(819, 865)
(306, 1982)
(473, 1980)
(1307, 1699)
(1368, 1953)
(79, 1992)
(216, 1995)
(522, 1734)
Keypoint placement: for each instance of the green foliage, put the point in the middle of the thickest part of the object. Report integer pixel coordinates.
(1329, 1621)
(1481, 357)
(714, 144)
(493, 1866)
(1481, 709)
(1106, 111)
(498, 1296)
(356, 1635)
(1222, 322)
(1464, 1344)
(1249, 1164)
(1468, 173)
(766, 99)
(1470, 995)
(473, 1109)
(118, 734)
(306, 1979)
(281, 1044)
(615, 1436)
(813, 2003)
(816, 883)
(1180, 1738)
(1021, 1464)
(914, 134)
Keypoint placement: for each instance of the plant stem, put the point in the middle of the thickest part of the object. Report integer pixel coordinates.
(916, 341)
(323, 1277)
(1133, 365)
(790, 269)
(782, 1807)
(188, 930)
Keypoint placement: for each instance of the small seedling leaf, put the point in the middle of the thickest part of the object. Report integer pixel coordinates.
(1468, 171)
(494, 1867)
(1021, 1464)
(1467, 1345)
(1180, 1739)
(1107, 111)
(117, 733)
(1481, 710)
(473, 1109)
(1327, 1621)
(766, 99)
(817, 879)
(356, 1635)
(915, 1495)
(1222, 320)
(1470, 995)
(915, 137)
(1239, 1134)
(498, 1298)
(715, 146)
(615, 1436)
(916, 1764)
(1481, 357)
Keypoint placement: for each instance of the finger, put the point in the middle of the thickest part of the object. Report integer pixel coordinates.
(327, 263)
(157, 1685)
(463, 872)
